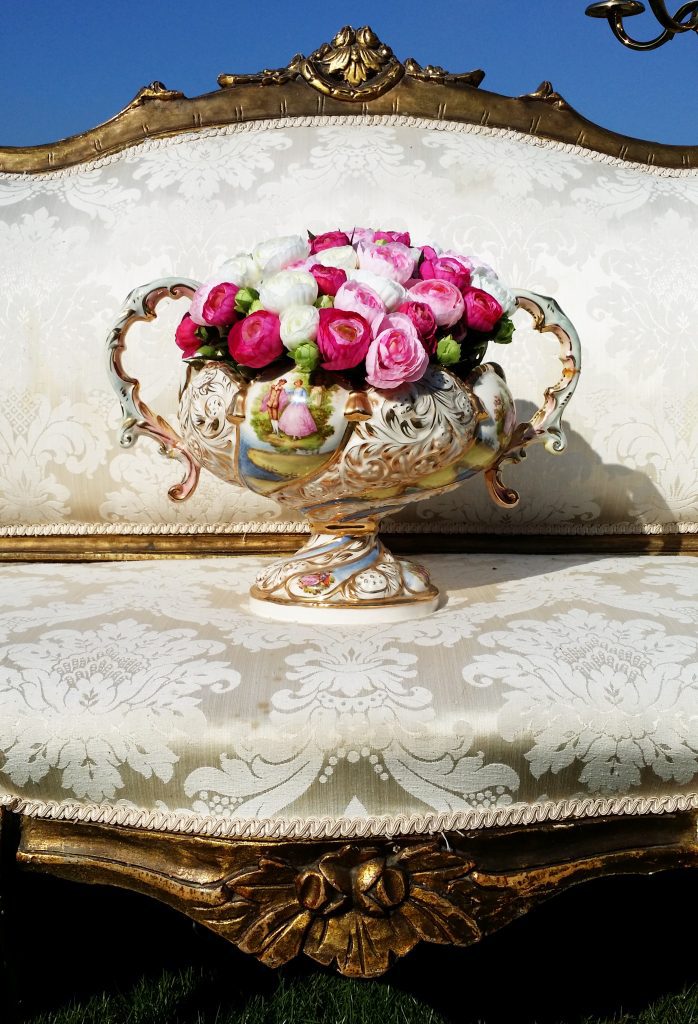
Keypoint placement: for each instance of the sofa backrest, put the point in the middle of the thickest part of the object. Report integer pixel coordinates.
(606, 225)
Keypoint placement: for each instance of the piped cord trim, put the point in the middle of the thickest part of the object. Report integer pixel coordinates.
(325, 120)
(386, 826)
(423, 526)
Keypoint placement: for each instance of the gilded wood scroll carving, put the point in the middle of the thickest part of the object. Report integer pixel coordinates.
(358, 905)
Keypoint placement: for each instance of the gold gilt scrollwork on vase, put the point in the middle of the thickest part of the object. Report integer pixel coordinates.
(355, 905)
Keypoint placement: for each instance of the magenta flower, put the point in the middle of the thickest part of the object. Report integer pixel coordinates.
(392, 236)
(424, 322)
(329, 279)
(185, 337)
(482, 310)
(256, 339)
(445, 268)
(328, 240)
(343, 338)
(219, 307)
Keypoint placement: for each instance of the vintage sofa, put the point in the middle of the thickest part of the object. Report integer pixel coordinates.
(349, 792)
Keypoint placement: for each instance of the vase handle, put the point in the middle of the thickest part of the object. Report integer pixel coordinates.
(138, 418)
(546, 424)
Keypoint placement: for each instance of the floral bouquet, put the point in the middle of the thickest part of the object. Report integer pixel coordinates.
(368, 305)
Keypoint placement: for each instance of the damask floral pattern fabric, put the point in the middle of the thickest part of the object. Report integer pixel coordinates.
(614, 243)
(147, 693)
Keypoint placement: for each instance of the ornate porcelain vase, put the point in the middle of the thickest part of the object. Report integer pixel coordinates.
(343, 458)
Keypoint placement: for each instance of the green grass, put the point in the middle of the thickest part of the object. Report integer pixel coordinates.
(176, 998)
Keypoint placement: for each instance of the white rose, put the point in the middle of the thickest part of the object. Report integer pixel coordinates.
(277, 253)
(494, 287)
(391, 292)
(299, 324)
(342, 256)
(288, 288)
(242, 270)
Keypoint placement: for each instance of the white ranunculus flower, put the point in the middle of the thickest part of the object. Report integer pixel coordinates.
(299, 324)
(494, 287)
(277, 253)
(288, 288)
(342, 256)
(391, 292)
(242, 270)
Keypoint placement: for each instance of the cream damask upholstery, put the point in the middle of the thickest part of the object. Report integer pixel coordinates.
(146, 694)
(613, 242)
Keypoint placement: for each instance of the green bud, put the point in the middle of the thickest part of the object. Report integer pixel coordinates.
(381, 241)
(324, 302)
(307, 356)
(244, 299)
(505, 331)
(208, 352)
(448, 351)
(202, 333)
(256, 305)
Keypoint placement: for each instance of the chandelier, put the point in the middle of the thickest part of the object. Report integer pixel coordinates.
(684, 20)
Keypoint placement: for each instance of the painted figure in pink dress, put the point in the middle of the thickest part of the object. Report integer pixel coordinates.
(296, 420)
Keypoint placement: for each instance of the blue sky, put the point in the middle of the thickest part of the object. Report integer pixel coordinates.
(66, 65)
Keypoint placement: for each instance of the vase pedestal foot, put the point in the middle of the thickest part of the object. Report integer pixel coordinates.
(343, 578)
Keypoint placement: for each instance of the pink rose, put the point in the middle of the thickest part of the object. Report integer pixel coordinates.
(424, 323)
(362, 235)
(443, 299)
(256, 339)
(219, 307)
(329, 279)
(445, 268)
(396, 355)
(481, 309)
(328, 240)
(355, 297)
(393, 236)
(185, 337)
(343, 338)
(392, 260)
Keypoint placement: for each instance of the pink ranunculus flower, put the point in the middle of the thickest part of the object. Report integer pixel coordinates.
(329, 279)
(424, 322)
(256, 339)
(355, 297)
(396, 355)
(445, 268)
(393, 236)
(196, 307)
(392, 260)
(343, 338)
(219, 307)
(443, 299)
(482, 310)
(361, 236)
(185, 337)
(328, 240)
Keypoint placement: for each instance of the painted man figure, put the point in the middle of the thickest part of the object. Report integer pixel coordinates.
(273, 401)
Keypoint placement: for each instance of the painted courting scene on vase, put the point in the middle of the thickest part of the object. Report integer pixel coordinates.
(291, 415)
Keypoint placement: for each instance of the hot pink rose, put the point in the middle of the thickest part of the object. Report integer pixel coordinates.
(393, 236)
(424, 323)
(219, 307)
(328, 240)
(343, 338)
(396, 355)
(393, 260)
(445, 268)
(185, 337)
(355, 297)
(256, 339)
(442, 298)
(481, 309)
(329, 279)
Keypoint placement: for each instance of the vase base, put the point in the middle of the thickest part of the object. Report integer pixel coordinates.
(338, 615)
(344, 578)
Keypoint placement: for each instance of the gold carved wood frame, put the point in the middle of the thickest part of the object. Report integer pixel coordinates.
(354, 74)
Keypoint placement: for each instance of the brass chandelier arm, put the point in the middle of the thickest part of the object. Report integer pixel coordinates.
(685, 20)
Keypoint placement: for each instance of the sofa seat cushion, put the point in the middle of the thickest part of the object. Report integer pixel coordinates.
(546, 687)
